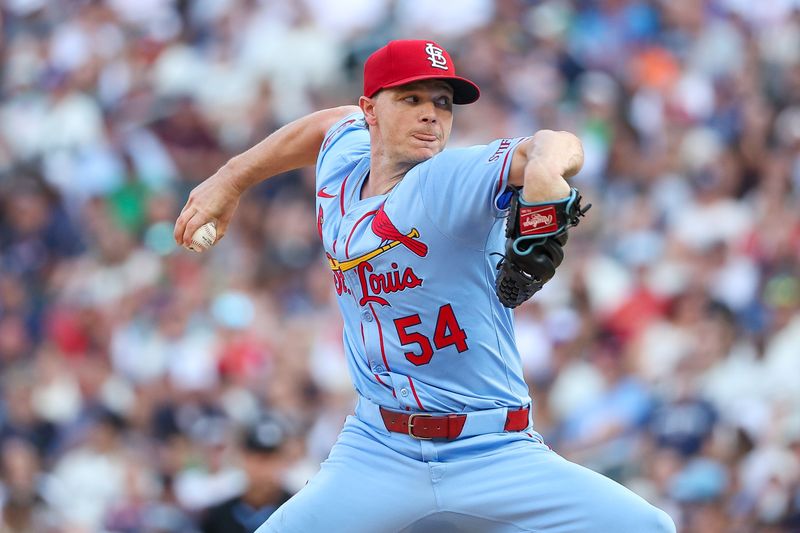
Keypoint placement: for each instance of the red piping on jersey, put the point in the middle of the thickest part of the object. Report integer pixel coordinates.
(333, 134)
(380, 336)
(341, 195)
(334, 246)
(503, 171)
(382, 383)
(353, 229)
(413, 390)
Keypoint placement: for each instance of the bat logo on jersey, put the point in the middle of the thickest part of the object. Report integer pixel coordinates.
(436, 57)
(384, 228)
(374, 284)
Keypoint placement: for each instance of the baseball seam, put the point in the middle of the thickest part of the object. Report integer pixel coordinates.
(205, 239)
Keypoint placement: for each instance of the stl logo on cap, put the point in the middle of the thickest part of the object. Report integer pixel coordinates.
(436, 56)
(408, 60)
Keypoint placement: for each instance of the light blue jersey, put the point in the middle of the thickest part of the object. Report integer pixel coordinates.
(414, 274)
(425, 334)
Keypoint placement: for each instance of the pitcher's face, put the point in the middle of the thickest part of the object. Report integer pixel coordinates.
(413, 121)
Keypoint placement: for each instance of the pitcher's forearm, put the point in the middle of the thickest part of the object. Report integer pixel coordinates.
(293, 146)
(552, 158)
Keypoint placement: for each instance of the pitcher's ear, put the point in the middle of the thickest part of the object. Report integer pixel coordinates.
(367, 106)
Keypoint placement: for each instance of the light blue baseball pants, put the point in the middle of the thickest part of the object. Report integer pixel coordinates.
(375, 481)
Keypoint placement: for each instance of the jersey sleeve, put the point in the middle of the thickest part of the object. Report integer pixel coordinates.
(346, 142)
(463, 189)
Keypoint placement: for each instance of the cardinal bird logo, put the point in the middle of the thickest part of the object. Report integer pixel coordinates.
(383, 227)
(376, 284)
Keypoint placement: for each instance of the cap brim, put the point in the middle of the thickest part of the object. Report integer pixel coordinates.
(464, 91)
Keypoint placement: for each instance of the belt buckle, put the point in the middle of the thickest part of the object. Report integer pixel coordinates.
(411, 418)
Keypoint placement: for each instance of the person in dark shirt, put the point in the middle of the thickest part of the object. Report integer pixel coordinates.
(263, 458)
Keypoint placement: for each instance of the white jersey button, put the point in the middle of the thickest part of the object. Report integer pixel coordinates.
(366, 315)
(404, 392)
(379, 368)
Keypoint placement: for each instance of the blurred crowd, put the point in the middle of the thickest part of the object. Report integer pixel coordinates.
(146, 389)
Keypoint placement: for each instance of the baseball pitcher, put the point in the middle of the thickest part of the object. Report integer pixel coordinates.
(442, 437)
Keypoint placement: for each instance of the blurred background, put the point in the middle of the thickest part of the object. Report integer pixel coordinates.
(148, 389)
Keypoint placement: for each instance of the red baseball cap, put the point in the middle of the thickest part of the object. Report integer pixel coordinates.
(401, 62)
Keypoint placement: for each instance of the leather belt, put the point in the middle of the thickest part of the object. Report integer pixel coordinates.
(423, 426)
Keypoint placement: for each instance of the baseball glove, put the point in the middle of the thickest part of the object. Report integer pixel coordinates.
(535, 238)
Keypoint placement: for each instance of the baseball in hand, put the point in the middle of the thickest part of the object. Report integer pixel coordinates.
(204, 237)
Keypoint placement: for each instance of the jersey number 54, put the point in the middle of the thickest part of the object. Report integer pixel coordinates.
(446, 333)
